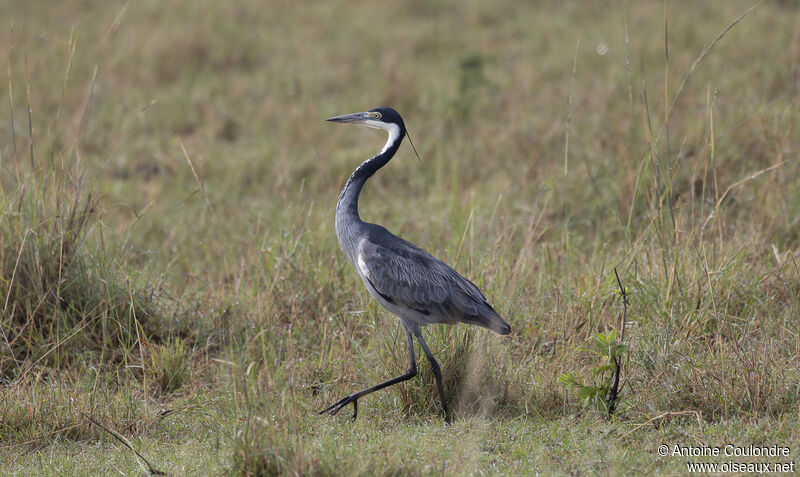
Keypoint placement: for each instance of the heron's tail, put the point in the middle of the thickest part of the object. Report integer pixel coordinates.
(490, 319)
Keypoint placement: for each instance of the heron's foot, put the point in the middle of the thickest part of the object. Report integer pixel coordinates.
(338, 405)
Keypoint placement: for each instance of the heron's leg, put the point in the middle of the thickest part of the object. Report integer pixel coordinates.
(353, 398)
(437, 372)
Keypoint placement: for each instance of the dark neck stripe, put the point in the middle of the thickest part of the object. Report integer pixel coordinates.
(348, 198)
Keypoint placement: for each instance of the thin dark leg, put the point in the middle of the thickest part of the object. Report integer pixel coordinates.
(353, 398)
(437, 372)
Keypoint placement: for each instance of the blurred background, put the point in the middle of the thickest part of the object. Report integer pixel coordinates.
(181, 152)
(489, 91)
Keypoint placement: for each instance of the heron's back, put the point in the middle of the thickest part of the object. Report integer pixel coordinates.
(417, 286)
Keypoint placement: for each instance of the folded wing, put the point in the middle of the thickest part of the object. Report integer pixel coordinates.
(408, 276)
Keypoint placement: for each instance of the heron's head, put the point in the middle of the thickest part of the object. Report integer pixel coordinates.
(378, 118)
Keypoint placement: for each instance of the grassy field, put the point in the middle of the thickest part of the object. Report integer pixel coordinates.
(170, 276)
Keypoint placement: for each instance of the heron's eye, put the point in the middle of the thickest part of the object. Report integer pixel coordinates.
(374, 114)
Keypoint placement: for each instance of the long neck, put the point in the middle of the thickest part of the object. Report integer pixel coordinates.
(347, 218)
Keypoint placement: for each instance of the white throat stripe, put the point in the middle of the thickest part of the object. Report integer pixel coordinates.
(394, 133)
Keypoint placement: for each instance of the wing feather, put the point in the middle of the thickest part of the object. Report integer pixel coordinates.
(412, 277)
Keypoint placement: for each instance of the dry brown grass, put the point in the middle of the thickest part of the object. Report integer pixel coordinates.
(199, 133)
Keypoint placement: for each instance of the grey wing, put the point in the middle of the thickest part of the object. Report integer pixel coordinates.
(409, 276)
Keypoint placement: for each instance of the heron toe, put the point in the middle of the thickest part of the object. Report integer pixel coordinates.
(334, 408)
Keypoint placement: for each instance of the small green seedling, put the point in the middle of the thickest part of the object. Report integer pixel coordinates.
(600, 391)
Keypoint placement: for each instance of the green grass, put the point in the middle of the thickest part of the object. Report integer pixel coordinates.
(168, 265)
